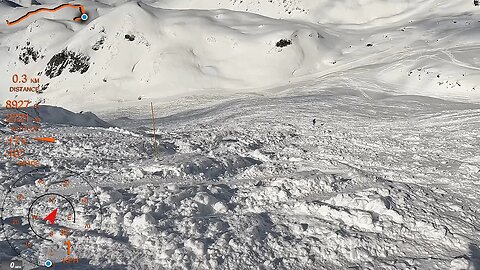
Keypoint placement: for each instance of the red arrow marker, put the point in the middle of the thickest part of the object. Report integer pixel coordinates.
(51, 217)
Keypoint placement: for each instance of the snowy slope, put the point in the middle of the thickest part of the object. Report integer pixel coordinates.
(239, 176)
(158, 52)
(428, 48)
(250, 183)
(325, 11)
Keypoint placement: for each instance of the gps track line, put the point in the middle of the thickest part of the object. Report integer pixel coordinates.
(83, 16)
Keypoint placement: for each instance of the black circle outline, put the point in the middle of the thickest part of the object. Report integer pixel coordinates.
(38, 198)
(10, 189)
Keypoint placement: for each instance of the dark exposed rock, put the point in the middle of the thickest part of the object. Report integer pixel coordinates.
(28, 54)
(283, 43)
(99, 44)
(44, 87)
(75, 62)
(129, 37)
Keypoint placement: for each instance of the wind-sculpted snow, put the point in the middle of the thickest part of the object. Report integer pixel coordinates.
(375, 184)
(326, 11)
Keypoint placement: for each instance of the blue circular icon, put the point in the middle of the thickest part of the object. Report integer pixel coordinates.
(84, 17)
(48, 263)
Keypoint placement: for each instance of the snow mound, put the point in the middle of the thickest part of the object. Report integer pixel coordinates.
(389, 184)
(59, 116)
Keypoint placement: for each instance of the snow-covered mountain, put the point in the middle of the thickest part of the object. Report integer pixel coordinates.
(377, 12)
(290, 134)
(130, 51)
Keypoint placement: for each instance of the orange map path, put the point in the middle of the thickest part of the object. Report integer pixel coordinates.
(80, 7)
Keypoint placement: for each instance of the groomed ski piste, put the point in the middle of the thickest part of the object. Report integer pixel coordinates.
(240, 175)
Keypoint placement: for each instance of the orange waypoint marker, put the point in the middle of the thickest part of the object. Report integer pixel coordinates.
(83, 16)
(51, 217)
(45, 139)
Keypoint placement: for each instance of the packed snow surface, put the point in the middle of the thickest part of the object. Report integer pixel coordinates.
(250, 183)
(293, 134)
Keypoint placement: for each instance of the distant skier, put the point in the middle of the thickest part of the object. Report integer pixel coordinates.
(314, 121)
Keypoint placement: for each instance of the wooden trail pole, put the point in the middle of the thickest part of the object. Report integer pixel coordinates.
(154, 132)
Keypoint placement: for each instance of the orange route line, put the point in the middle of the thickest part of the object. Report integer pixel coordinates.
(80, 7)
